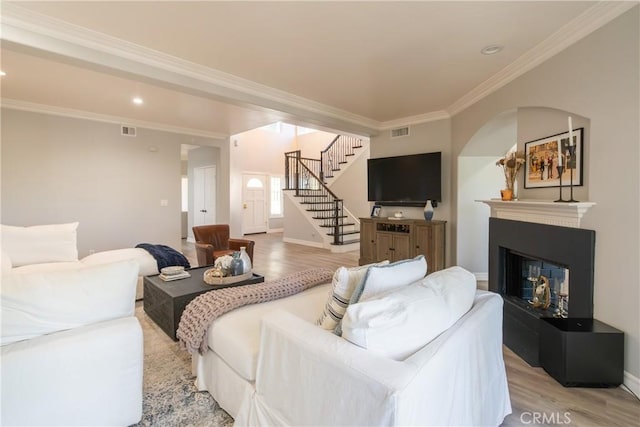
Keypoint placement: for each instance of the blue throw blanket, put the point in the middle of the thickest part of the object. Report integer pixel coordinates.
(165, 256)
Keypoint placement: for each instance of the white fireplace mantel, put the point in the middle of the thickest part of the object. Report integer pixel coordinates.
(540, 211)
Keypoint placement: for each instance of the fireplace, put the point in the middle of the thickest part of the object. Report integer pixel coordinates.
(520, 252)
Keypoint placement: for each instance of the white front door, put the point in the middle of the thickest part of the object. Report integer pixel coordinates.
(204, 195)
(254, 203)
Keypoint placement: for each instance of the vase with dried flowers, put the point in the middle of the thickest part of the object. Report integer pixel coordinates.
(511, 164)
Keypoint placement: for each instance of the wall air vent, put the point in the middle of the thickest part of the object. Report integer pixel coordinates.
(128, 130)
(400, 132)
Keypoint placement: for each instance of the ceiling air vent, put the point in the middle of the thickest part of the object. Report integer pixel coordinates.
(128, 131)
(400, 132)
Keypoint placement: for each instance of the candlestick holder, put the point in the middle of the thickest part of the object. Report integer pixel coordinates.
(572, 167)
(560, 170)
(561, 311)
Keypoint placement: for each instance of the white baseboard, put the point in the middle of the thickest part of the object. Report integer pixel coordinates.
(303, 242)
(191, 239)
(275, 230)
(632, 383)
(482, 277)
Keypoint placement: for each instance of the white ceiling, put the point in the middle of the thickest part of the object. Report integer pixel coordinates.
(219, 68)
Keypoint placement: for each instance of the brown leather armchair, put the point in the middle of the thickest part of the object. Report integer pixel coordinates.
(212, 241)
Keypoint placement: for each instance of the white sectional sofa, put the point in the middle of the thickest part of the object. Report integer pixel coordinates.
(428, 352)
(71, 347)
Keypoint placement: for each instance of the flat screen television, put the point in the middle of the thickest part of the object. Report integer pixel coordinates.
(405, 180)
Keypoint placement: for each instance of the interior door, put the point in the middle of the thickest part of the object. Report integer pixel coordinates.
(204, 195)
(254, 203)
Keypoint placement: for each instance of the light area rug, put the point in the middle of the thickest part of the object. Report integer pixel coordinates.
(170, 396)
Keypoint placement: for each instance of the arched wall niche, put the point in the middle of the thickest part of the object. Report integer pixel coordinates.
(478, 177)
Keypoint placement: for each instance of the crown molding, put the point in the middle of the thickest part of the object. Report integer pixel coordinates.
(33, 107)
(581, 26)
(25, 27)
(415, 120)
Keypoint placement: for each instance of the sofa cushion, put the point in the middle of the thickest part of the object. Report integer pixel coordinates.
(147, 263)
(343, 284)
(35, 304)
(6, 264)
(235, 337)
(399, 322)
(46, 267)
(40, 243)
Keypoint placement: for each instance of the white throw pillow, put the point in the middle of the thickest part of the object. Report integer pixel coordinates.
(344, 283)
(41, 303)
(399, 323)
(40, 243)
(380, 279)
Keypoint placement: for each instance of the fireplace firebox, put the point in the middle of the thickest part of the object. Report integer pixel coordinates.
(521, 254)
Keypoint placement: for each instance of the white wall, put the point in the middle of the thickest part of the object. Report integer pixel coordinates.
(297, 227)
(349, 183)
(311, 144)
(262, 150)
(597, 79)
(479, 177)
(57, 169)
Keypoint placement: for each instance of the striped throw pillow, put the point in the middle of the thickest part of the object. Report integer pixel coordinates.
(345, 280)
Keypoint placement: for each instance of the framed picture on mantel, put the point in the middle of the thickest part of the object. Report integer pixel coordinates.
(544, 156)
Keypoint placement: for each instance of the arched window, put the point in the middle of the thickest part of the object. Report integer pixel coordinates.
(254, 183)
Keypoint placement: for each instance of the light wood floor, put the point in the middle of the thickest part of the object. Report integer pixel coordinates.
(533, 392)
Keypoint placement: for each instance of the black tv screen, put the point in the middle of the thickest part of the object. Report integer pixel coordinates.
(405, 180)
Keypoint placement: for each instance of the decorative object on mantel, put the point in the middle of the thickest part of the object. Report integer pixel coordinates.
(571, 157)
(428, 211)
(555, 161)
(511, 164)
(506, 194)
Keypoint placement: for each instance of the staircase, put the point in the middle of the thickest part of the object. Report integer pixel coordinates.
(307, 179)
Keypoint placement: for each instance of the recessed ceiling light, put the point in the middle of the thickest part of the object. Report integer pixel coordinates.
(137, 100)
(491, 49)
(2, 73)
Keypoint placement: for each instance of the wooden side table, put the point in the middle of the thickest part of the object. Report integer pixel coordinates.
(164, 302)
(581, 352)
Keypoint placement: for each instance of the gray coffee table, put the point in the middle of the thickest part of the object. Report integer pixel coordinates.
(164, 302)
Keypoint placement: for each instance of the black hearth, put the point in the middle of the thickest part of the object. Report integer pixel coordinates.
(564, 255)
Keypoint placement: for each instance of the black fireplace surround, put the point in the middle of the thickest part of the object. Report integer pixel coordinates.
(570, 248)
